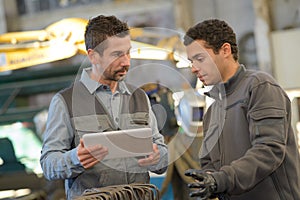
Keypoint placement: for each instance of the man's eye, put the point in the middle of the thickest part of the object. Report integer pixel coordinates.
(200, 59)
(117, 55)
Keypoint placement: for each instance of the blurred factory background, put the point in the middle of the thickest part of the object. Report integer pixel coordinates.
(34, 65)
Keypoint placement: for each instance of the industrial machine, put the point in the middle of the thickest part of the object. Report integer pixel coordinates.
(65, 38)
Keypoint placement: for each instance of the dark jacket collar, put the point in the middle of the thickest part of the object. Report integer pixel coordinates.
(219, 91)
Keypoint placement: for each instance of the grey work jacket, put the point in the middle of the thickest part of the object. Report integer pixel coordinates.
(249, 142)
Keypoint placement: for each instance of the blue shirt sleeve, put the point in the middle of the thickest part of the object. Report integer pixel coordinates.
(58, 158)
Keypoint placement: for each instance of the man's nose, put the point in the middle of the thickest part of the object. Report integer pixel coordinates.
(125, 59)
(194, 69)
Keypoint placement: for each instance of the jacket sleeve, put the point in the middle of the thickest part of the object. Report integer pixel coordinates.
(58, 158)
(268, 119)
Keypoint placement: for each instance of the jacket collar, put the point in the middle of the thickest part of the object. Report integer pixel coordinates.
(219, 91)
(92, 85)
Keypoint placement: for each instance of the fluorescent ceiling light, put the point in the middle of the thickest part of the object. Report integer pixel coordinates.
(145, 51)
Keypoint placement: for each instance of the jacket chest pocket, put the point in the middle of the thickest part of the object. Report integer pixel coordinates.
(91, 124)
(134, 120)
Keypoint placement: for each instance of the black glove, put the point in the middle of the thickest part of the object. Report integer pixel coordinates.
(205, 184)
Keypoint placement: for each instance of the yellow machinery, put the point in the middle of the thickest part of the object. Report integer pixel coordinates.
(62, 40)
(58, 41)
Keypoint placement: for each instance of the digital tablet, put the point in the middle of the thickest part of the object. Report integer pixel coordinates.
(122, 143)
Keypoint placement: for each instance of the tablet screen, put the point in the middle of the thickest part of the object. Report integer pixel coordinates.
(122, 143)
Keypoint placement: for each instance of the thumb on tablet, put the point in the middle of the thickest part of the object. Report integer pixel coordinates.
(81, 142)
(155, 148)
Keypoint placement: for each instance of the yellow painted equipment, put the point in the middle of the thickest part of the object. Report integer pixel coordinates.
(58, 41)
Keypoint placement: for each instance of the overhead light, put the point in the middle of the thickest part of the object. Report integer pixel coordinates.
(293, 93)
(149, 52)
(14, 193)
(181, 59)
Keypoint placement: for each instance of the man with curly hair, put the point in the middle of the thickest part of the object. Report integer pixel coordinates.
(249, 150)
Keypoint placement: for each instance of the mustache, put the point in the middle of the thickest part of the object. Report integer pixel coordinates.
(124, 68)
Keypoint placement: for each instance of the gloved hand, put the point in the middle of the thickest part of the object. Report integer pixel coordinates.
(205, 184)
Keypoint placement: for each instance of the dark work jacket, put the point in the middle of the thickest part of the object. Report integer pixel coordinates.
(88, 115)
(249, 143)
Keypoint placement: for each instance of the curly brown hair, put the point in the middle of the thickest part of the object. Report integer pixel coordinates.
(215, 33)
(100, 28)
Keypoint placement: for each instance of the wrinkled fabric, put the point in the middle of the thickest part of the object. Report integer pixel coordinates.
(249, 142)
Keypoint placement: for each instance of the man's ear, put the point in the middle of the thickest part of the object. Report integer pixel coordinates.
(92, 55)
(226, 49)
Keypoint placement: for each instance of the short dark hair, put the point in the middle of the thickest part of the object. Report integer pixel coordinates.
(215, 33)
(100, 28)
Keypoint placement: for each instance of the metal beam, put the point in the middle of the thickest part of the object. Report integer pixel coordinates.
(262, 34)
(183, 14)
(9, 100)
(24, 114)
